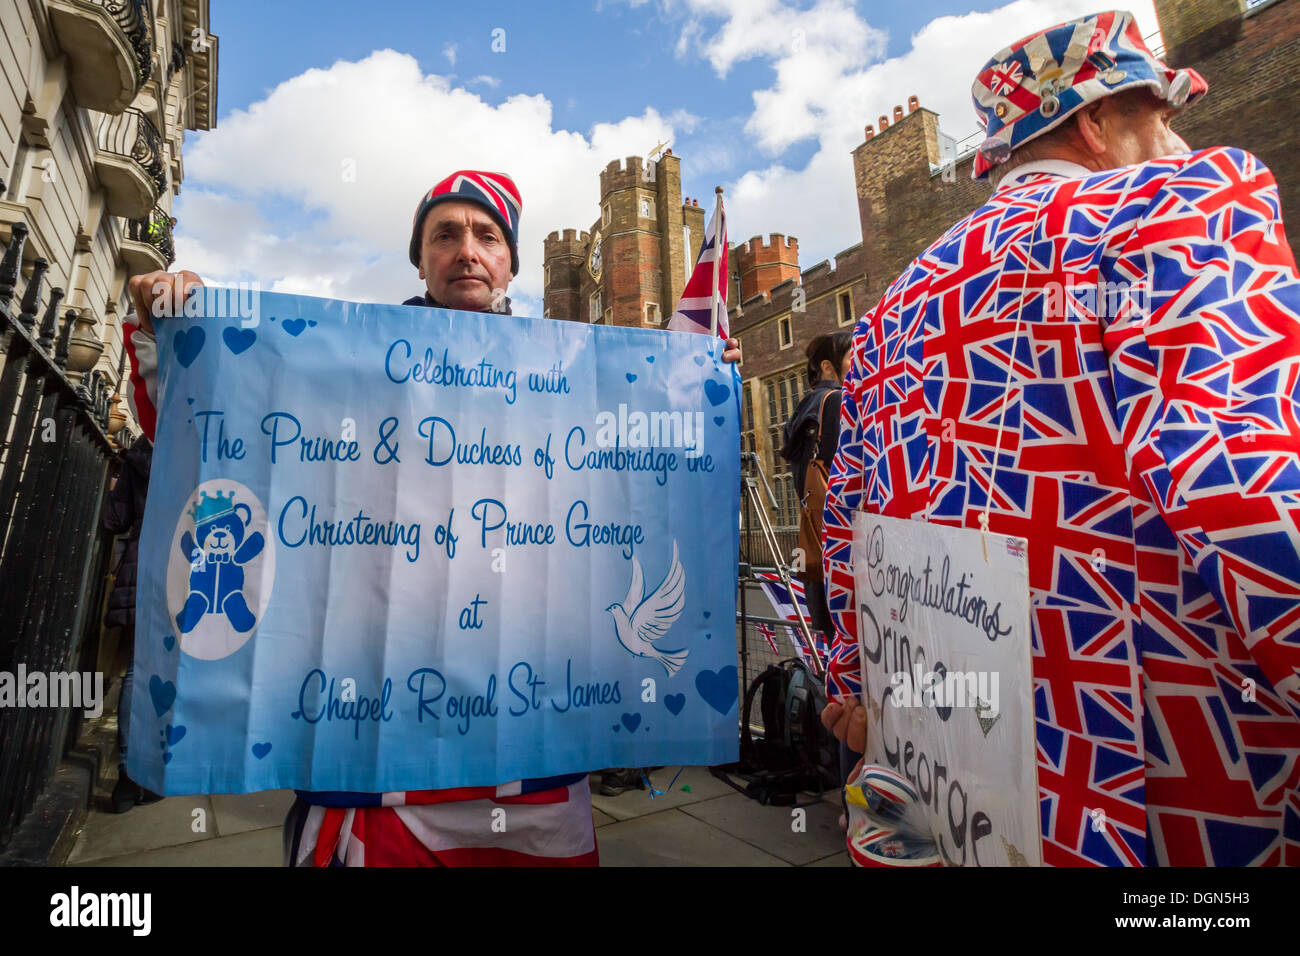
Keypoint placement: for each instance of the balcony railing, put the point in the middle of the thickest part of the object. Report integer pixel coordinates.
(135, 19)
(155, 230)
(109, 45)
(132, 135)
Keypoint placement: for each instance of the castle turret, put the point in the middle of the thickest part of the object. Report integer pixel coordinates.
(763, 265)
(563, 258)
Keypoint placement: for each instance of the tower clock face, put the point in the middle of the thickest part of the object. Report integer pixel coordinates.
(594, 260)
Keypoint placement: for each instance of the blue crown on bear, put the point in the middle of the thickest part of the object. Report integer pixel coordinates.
(210, 508)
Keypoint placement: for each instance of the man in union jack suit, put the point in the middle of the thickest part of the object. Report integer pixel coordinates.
(1137, 305)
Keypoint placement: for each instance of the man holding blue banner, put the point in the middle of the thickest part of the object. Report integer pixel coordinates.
(464, 244)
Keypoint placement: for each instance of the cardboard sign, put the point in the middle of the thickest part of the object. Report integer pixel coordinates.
(945, 645)
(392, 548)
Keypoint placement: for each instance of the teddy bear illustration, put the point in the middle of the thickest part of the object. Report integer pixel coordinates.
(217, 562)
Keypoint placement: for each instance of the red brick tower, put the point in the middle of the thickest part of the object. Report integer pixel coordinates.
(764, 265)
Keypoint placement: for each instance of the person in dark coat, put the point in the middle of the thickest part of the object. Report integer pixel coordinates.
(123, 515)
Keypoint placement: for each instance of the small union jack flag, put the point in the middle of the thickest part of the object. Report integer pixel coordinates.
(769, 635)
(1005, 78)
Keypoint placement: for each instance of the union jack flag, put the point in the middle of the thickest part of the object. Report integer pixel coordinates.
(692, 314)
(1005, 78)
(1151, 460)
(784, 603)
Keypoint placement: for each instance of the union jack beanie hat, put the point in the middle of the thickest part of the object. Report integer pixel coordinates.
(495, 192)
(1036, 83)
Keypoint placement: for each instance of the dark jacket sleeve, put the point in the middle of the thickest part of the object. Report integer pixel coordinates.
(119, 506)
(830, 428)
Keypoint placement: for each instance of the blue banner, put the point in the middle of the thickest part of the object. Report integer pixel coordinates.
(392, 548)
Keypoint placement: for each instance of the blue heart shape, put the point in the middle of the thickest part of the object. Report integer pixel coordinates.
(716, 392)
(616, 728)
(699, 360)
(718, 688)
(719, 420)
(238, 340)
(188, 345)
(631, 721)
(650, 359)
(261, 750)
(675, 703)
(163, 693)
(174, 734)
(294, 326)
(631, 377)
(706, 615)
(167, 758)
(312, 323)
(169, 642)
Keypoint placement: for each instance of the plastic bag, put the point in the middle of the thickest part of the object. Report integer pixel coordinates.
(887, 824)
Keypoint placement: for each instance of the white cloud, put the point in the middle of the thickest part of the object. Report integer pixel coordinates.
(827, 89)
(449, 51)
(312, 189)
(491, 82)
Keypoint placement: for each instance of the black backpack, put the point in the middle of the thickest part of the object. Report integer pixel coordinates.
(795, 753)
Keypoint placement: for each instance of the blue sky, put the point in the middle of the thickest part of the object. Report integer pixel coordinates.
(764, 97)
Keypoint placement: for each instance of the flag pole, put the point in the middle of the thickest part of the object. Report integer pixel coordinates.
(717, 257)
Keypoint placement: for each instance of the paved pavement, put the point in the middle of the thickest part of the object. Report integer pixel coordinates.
(700, 822)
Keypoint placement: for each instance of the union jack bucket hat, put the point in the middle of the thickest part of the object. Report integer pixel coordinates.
(495, 192)
(1035, 84)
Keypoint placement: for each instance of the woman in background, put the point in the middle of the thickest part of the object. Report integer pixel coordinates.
(812, 433)
(811, 437)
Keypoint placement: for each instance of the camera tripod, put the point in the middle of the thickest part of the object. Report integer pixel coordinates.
(751, 475)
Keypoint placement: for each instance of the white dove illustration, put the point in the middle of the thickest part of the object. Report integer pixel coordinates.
(651, 616)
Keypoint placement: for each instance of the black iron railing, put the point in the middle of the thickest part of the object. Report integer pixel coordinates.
(133, 135)
(54, 463)
(155, 229)
(135, 19)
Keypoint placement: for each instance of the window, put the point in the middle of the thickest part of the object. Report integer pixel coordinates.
(647, 209)
(783, 333)
(546, 313)
(609, 316)
(783, 394)
(747, 443)
(844, 302)
(593, 307)
(605, 215)
(652, 313)
(546, 277)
